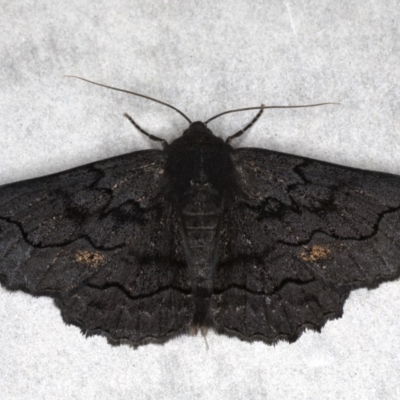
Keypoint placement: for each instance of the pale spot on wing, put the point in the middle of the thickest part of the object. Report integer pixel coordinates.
(316, 253)
(88, 258)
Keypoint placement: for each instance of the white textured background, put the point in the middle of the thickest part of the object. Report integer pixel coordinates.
(204, 58)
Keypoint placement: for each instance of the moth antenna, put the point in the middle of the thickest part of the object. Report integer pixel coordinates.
(149, 135)
(264, 107)
(130, 92)
(247, 127)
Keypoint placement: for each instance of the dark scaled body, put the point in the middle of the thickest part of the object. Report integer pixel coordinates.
(200, 170)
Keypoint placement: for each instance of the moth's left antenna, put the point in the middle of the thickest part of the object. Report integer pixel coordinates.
(134, 93)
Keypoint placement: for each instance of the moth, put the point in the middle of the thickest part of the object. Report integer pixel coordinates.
(152, 244)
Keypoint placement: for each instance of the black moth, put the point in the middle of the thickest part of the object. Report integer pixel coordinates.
(250, 242)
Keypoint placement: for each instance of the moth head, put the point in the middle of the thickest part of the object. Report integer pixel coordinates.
(196, 133)
(198, 128)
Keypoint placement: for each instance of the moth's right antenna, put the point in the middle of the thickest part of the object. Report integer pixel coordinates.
(248, 126)
(263, 108)
(134, 93)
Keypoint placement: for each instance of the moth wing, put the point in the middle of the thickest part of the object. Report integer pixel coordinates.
(103, 240)
(299, 235)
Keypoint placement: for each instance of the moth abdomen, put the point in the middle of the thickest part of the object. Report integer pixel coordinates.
(200, 221)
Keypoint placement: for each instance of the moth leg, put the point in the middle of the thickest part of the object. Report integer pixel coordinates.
(150, 136)
(248, 126)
